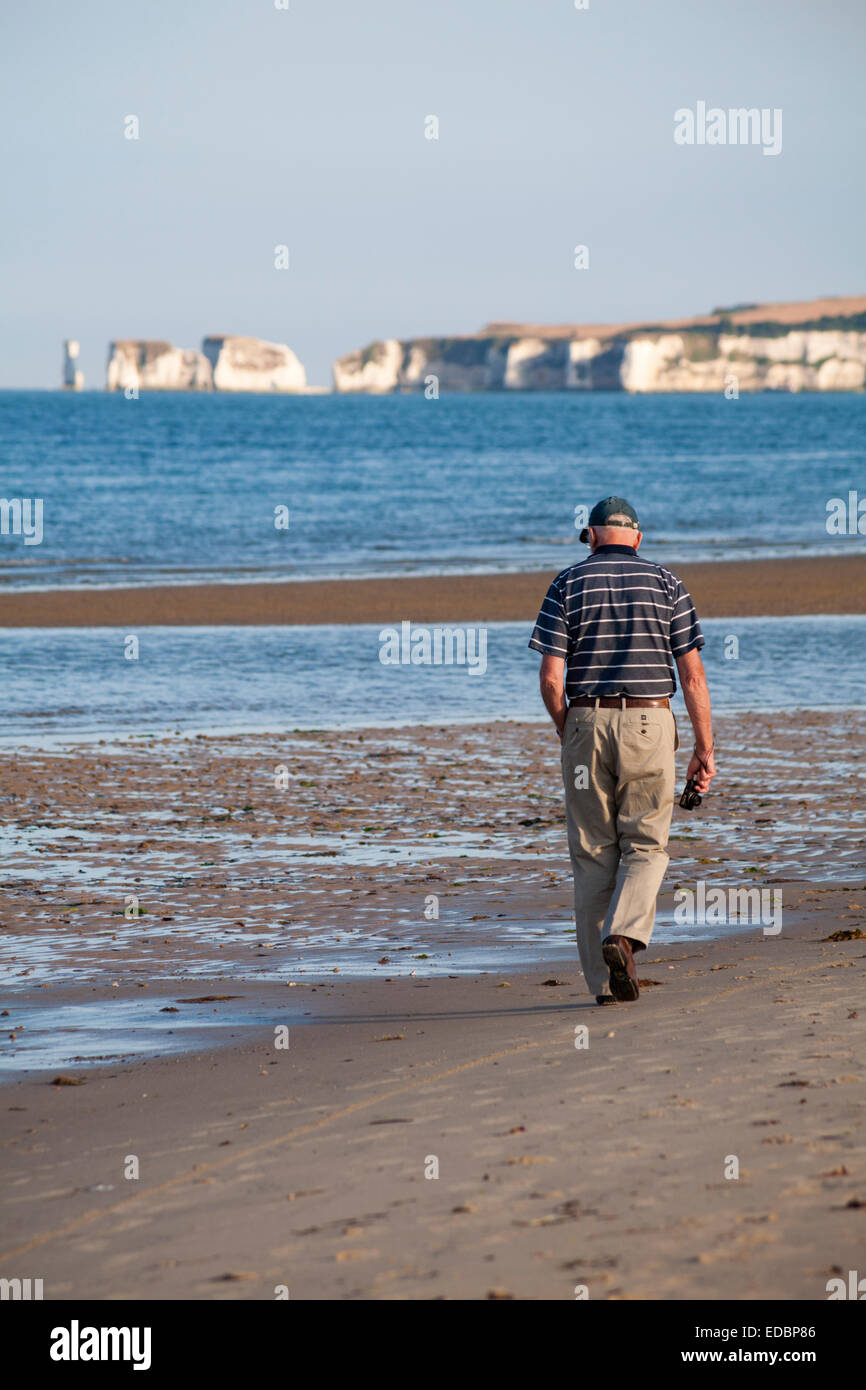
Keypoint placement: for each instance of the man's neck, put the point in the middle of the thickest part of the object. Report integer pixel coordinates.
(615, 550)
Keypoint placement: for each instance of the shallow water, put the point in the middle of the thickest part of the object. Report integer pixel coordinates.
(69, 683)
(94, 1033)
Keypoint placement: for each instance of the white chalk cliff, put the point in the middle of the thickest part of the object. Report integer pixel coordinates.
(146, 365)
(373, 369)
(814, 346)
(249, 364)
(224, 364)
(796, 361)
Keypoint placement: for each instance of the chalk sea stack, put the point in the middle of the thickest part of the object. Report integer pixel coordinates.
(225, 363)
(249, 364)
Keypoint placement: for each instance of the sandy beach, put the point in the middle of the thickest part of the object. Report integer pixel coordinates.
(830, 584)
(302, 908)
(214, 948)
(560, 1171)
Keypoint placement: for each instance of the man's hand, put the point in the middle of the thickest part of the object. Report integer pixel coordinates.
(703, 769)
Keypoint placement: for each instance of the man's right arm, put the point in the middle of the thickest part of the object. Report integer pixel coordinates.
(696, 694)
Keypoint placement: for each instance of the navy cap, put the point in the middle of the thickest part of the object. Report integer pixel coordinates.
(611, 511)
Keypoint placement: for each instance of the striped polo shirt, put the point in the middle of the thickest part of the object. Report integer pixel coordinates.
(620, 622)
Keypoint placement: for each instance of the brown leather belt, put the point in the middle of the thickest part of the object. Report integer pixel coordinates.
(615, 702)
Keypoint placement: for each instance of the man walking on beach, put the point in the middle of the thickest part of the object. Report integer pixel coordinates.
(619, 623)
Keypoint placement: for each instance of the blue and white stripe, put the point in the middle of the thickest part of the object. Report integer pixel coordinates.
(620, 622)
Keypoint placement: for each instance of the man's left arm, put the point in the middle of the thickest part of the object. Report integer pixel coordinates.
(552, 678)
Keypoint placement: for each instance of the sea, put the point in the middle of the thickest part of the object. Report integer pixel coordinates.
(176, 487)
(66, 685)
(182, 488)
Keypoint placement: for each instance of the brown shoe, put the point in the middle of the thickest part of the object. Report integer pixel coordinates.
(619, 960)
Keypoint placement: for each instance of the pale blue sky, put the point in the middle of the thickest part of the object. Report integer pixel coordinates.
(306, 127)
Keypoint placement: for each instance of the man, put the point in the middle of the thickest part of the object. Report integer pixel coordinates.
(620, 623)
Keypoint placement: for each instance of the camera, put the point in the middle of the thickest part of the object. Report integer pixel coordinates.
(690, 799)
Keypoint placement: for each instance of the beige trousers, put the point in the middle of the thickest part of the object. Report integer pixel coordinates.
(618, 770)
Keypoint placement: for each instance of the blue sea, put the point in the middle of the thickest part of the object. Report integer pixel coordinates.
(179, 488)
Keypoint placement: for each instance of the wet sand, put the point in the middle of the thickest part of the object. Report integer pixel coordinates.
(266, 856)
(742, 588)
